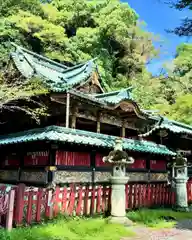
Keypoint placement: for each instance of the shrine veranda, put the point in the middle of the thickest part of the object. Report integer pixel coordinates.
(85, 120)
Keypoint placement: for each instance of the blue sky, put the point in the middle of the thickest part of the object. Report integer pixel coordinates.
(158, 17)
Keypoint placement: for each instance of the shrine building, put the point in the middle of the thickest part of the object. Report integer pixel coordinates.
(83, 122)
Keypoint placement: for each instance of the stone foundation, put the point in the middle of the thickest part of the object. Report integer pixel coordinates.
(67, 176)
(9, 175)
(33, 177)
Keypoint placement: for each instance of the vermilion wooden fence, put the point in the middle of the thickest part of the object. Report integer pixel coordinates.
(189, 191)
(34, 204)
(148, 195)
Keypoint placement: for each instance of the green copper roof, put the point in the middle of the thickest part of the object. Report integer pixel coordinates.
(58, 77)
(115, 97)
(75, 136)
(170, 125)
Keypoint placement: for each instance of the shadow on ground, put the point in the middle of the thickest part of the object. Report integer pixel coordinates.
(184, 224)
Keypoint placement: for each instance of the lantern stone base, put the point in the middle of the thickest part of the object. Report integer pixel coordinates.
(181, 194)
(181, 209)
(120, 220)
(118, 200)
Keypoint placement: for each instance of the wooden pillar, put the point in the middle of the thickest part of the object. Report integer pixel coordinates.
(98, 123)
(67, 110)
(123, 130)
(93, 155)
(9, 216)
(73, 122)
(52, 162)
(74, 117)
(21, 164)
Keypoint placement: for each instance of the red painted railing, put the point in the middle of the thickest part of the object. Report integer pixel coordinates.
(148, 195)
(35, 204)
(189, 191)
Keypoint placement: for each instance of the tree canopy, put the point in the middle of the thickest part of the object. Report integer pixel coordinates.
(77, 30)
(186, 26)
(74, 31)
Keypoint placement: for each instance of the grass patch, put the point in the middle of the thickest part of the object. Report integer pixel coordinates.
(70, 229)
(158, 218)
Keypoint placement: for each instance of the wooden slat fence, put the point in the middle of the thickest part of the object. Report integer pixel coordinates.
(189, 191)
(148, 195)
(35, 204)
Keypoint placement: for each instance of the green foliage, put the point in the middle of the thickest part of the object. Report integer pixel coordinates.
(172, 94)
(155, 218)
(18, 96)
(75, 31)
(182, 108)
(181, 82)
(74, 229)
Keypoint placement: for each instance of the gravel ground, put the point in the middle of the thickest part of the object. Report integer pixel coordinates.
(182, 231)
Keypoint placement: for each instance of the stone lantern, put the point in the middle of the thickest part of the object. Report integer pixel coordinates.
(180, 178)
(119, 159)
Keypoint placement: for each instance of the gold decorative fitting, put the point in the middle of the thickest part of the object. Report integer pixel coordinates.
(51, 168)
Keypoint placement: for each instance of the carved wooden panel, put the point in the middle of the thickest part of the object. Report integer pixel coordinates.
(68, 176)
(89, 88)
(9, 175)
(110, 119)
(127, 107)
(86, 115)
(158, 176)
(32, 176)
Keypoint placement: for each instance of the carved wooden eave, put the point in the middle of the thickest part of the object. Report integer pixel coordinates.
(95, 81)
(59, 98)
(127, 110)
(124, 106)
(92, 85)
(130, 107)
(186, 136)
(85, 114)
